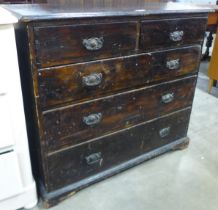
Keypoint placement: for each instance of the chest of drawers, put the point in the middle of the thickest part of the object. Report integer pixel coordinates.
(105, 88)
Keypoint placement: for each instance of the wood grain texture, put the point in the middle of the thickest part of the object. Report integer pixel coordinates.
(32, 110)
(156, 34)
(130, 97)
(99, 2)
(22, 1)
(213, 70)
(71, 165)
(64, 44)
(98, 9)
(65, 84)
(64, 127)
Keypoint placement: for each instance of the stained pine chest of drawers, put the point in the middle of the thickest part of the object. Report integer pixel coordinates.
(105, 88)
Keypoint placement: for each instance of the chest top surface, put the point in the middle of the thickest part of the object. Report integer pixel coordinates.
(118, 8)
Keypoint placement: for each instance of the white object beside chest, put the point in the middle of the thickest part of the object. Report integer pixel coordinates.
(16, 181)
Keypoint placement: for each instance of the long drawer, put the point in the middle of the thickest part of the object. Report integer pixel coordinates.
(78, 163)
(87, 81)
(58, 45)
(78, 123)
(158, 34)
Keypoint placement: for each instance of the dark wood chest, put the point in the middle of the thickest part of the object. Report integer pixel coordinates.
(105, 88)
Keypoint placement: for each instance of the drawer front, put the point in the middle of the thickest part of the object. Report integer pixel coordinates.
(75, 164)
(78, 43)
(176, 32)
(87, 81)
(11, 179)
(78, 123)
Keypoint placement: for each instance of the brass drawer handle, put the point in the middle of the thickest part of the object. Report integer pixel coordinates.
(173, 64)
(93, 43)
(164, 132)
(176, 36)
(167, 98)
(92, 119)
(94, 159)
(92, 79)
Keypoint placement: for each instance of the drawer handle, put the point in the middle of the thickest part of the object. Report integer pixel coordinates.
(169, 97)
(164, 132)
(176, 36)
(93, 159)
(92, 79)
(93, 43)
(173, 64)
(92, 119)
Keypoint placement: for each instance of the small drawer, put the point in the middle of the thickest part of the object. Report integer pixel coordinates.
(78, 123)
(72, 165)
(81, 82)
(173, 32)
(57, 45)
